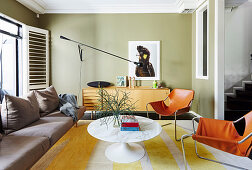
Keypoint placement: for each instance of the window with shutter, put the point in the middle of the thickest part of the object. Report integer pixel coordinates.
(36, 59)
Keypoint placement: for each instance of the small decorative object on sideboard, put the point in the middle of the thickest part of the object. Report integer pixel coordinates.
(129, 82)
(129, 123)
(133, 82)
(121, 81)
(98, 84)
(154, 84)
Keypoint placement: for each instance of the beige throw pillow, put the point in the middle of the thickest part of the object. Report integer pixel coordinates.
(48, 100)
(17, 113)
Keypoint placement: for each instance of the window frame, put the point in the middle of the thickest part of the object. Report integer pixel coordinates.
(18, 38)
(18, 35)
(199, 40)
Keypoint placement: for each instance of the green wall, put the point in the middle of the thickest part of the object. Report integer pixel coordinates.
(19, 12)
(111, 32)
(203, 103)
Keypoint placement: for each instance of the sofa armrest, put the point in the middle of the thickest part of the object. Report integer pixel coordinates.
(81, 112)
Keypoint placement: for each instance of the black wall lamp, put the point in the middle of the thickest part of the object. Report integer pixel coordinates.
(80, 51)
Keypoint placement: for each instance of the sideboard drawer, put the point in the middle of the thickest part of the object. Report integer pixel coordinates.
(90, 98)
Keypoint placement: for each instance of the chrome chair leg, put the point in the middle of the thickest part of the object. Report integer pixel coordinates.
(183, 149)
(234, 166)
(176, 128)
(147, 110)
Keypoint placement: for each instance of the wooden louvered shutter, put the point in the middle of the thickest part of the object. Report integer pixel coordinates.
(36, 62)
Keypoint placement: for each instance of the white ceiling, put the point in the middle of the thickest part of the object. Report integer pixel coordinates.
(110, 6)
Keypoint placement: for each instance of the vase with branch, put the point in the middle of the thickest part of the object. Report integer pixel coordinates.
(112, 105)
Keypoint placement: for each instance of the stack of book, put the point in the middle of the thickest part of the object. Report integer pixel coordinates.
(129, 123)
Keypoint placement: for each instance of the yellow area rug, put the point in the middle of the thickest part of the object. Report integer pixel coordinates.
(78, 150)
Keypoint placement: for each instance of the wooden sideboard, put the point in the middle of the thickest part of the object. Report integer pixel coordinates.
(141, 94)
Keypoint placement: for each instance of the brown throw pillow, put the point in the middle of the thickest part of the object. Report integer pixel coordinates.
(17, 113)
(48, 100)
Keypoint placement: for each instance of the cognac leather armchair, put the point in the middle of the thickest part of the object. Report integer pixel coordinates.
(180, 103)
(232, 137)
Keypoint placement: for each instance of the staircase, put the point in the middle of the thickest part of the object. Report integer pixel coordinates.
(239, 102)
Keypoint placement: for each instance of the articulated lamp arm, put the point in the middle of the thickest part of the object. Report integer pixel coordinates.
(81, 44)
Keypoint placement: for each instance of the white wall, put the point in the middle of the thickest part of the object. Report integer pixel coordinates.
(238, 43)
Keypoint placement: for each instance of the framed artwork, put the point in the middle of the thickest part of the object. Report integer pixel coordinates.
(121, 81)
(148, 53)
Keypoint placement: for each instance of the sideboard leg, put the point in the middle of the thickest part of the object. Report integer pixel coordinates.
(147, 110)
(91, 115)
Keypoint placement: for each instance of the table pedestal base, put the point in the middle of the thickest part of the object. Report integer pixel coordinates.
(124, 152)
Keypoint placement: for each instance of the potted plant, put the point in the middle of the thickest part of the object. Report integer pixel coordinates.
(112, 105)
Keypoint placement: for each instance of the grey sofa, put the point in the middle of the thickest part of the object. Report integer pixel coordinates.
(23, 148)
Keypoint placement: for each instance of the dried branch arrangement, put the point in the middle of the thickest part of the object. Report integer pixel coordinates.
(112, 105)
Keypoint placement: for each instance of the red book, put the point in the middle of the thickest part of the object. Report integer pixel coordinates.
(130, 124)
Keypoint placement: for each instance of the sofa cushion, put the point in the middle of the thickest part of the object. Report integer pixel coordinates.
(52, 127)
(17, 113)
(21, 152)
(48, 100)
(57, 113)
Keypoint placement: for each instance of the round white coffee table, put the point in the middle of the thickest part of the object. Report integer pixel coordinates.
(124, 150)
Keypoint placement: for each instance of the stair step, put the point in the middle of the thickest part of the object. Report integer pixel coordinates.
(233, 115)
(237, 88)
(228, 94)
(239, 102)
(239, 99)
(247, 82)
(248, 87)
(244, 94)
(236, 103)
(239, 106)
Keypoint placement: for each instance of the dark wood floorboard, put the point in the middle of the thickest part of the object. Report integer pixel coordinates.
(154, 116)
